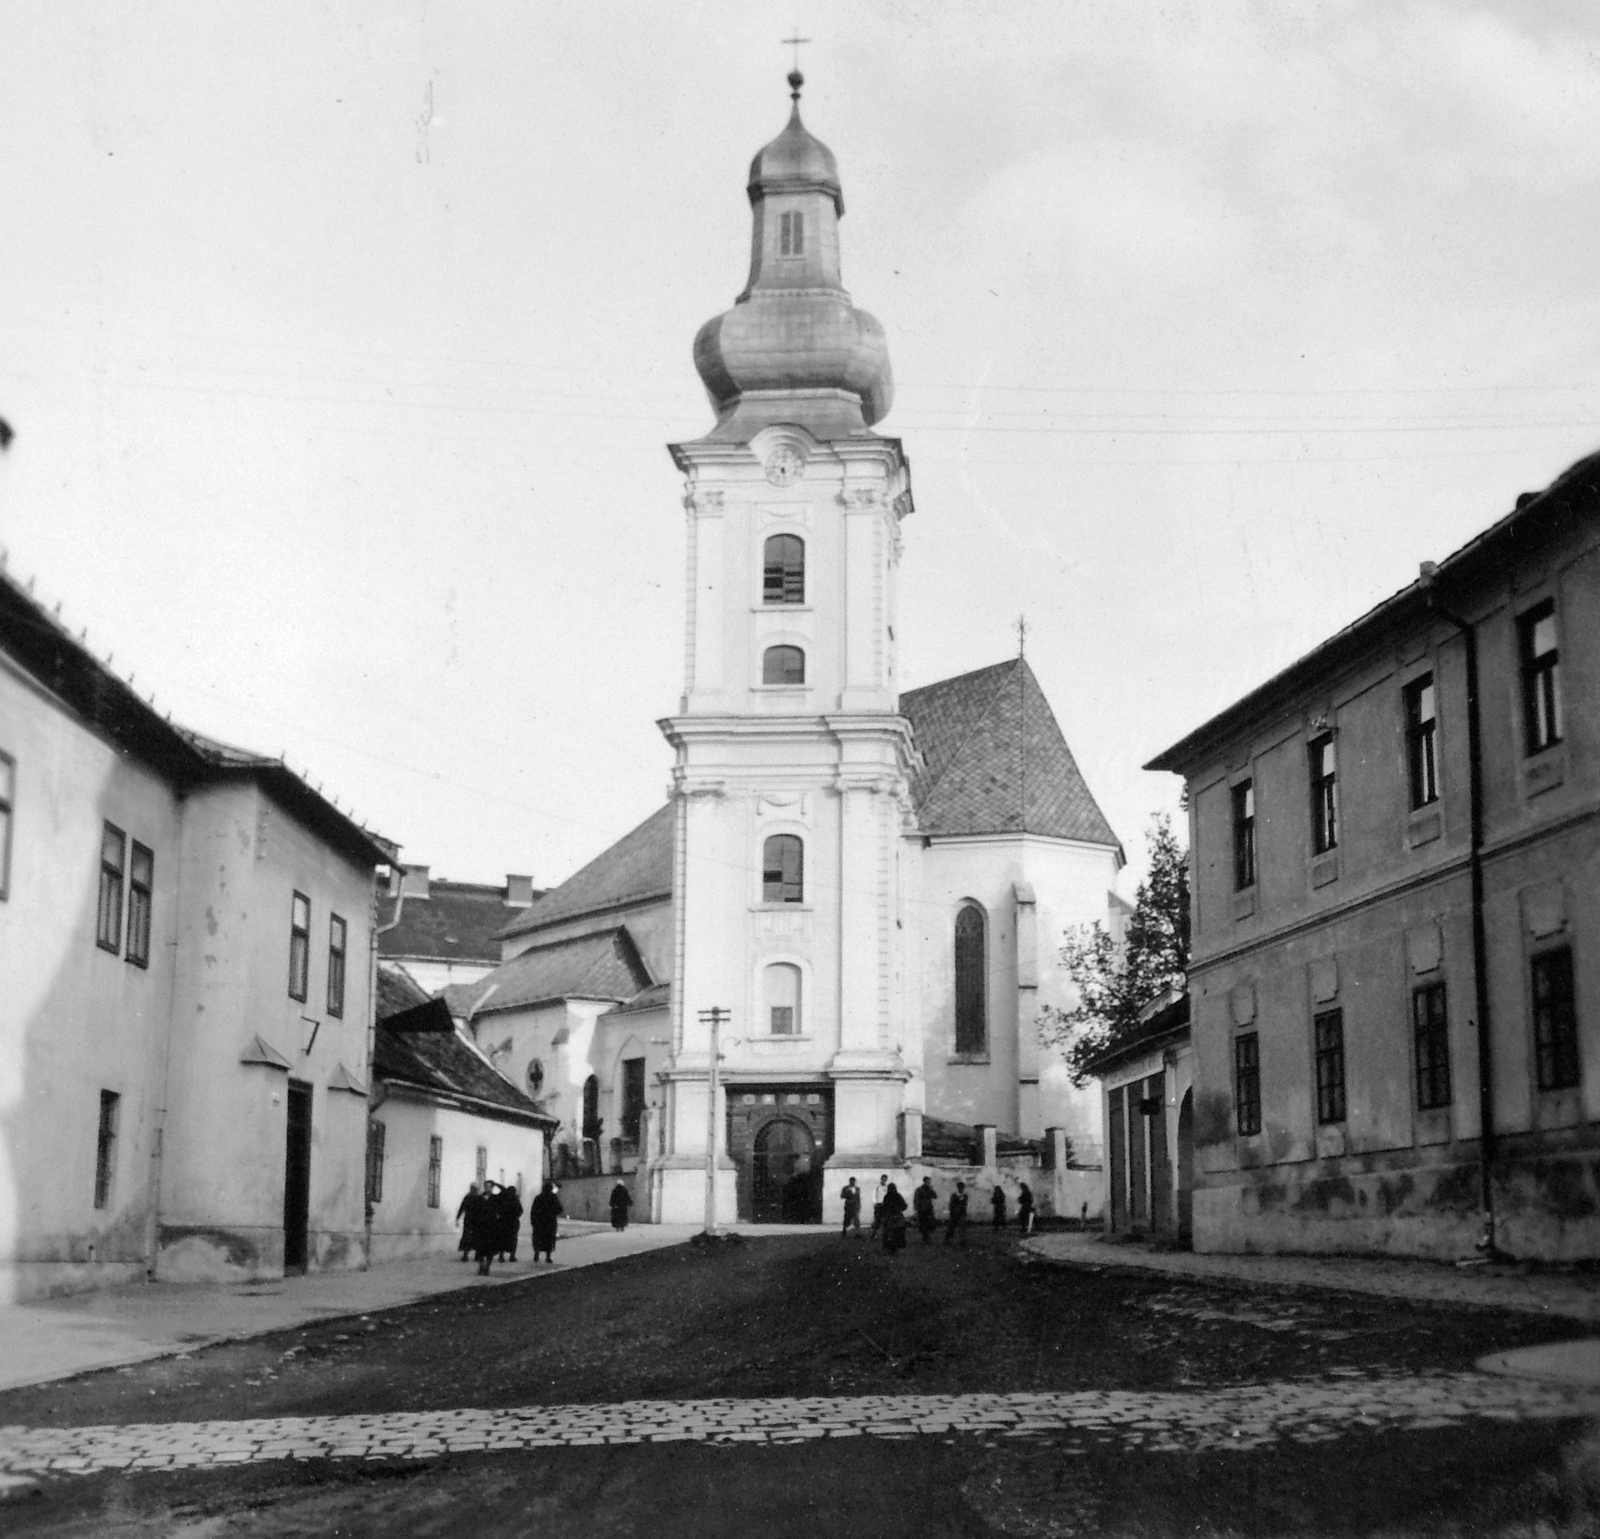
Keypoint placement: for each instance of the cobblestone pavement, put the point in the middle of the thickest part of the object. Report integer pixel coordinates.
(1252, 1416)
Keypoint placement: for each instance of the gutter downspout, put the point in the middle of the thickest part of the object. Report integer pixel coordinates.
(1480, 949)
(374, 1100)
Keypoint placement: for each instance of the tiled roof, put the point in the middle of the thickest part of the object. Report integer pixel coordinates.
(657, 997)
(988, 740)
(636, 867)
(421, 1047)
(397, 991)
(457, 921)
(602, 966)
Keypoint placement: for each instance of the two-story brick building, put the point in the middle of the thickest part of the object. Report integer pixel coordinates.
(1395, 866)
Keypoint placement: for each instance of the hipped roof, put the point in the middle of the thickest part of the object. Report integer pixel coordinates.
(603, 966)
(457, 921)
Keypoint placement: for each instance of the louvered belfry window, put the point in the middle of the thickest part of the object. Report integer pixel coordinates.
(783, 570)
(972, 1024)
(783, 870)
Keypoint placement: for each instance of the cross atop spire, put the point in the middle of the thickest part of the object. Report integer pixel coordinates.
(796, 79)
(1022, 635)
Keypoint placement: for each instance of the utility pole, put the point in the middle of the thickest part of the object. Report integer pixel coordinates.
(712, 1019)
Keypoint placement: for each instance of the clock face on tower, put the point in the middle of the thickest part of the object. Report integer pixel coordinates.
(784, 466)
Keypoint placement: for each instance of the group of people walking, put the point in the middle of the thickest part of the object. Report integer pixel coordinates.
(889, 1208)
(490, 1216)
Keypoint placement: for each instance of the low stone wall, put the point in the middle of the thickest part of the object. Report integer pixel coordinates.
(589, 1197)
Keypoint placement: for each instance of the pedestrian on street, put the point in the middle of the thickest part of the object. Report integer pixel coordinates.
(894, 1218)
(877, 1207)
(1025, 1208)
(924, 1200)
(621, 1201)
(997, 1201)
(956, 1221)
(486, 1231)
(508, 1215)
(543, 1212)
(852, 1208)
(468, 1215)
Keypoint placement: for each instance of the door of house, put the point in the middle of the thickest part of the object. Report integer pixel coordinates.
(1186, 1167)
(297, 1178)
(1155, 1109)
(786, 1188)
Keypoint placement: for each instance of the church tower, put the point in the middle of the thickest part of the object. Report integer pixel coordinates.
(792, 782)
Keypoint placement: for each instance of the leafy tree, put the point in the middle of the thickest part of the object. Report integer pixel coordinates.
(1115, 981)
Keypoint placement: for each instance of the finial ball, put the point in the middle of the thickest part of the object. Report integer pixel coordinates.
(796, 80)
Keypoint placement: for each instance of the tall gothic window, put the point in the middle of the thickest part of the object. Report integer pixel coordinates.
(783, 570)
(783, 870)
(591, 1108)
(972, 1016)
(783, 665)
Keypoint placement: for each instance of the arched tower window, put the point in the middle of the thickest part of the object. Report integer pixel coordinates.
(783, 665)
(972, 1016)
(783, 870)
(783, 570)
(792, 234)
(781, 990)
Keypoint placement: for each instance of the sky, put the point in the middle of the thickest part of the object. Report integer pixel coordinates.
(342, 342)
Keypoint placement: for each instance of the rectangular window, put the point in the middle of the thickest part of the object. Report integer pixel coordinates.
(1324, 795)
(791, 234)
(1422, 742)
(632, 1098)
(1328, 1027)
(1430, 1033)
(1541, 677)
(105, 1152)
(1555, 1019)
(336, 943)
(299, 945)
(1247, 1083)
(482, 1166)
(376, 1133)
(435, 1165)
(141, 880)
(1244, 835)
(8, 801)
(113, 863)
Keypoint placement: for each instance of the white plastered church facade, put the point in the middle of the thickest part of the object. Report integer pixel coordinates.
(872, 885)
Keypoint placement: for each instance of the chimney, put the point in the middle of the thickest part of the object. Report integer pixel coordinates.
(519, 891)
(414, 881)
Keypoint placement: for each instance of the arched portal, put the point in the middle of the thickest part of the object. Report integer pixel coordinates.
(1186, 1168)
(787, 1183)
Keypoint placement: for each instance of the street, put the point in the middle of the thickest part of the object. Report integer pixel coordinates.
(810, 1384)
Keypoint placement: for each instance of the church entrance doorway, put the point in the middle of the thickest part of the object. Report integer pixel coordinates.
(297, 1178)
(786, 1183)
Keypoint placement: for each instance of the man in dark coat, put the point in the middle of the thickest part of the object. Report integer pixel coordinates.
(997, 1202)
(508, 1220)
(621, 1201)
(468, 1215)
(486, 1229)
(852, 1208)
(543, 1213)
(924, 1200)
(894, 1219)
(1025, 1209)
(956, 1222)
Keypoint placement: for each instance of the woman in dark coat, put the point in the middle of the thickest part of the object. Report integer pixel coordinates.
(1025, 1209)
(508, 1215)
(543, 1213)
(894, 1220)
(469, 1215)
(486, 1229)
(621, 1201)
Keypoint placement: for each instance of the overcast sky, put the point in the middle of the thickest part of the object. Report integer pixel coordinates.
(342, 340)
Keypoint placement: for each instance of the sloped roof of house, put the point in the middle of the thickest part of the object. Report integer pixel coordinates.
(994, 760)
(636, 868)
(457, 921)
(606, 965)
(657, 997)
(421, 1048)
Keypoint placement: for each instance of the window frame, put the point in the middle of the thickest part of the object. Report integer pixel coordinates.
(113, 884)
(1430, 1045)
(480, 1165)
(970, 981)
(783, 582)
(435, 1168)
(8, 817)
(786, 649)
(1242, 795)
(1558, 1063)
(1247, 1078)
(791, 233)
(1324, 793)
(1540, 674)
(141, 903)
(794, 1026)
(1327, 1038)
(337, 952)
(781, 883)
(105, 1149)
(299, 948)
(1422, 741)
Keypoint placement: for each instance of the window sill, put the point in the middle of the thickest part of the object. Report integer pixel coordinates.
(966, 1058)
(1244, 903)
(1424, 826)
(1545, 770)
(1325, 869)
(115, 951)
(775, 608)
(780, 908)
(795, 690)
(779, 1038)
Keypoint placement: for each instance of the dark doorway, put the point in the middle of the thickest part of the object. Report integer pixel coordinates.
(1186, 1167)
(1154, 1108)
(297, 1178)
(1117, 1154)
(787, 1189)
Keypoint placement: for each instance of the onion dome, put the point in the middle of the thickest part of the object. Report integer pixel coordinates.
(793, 347)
